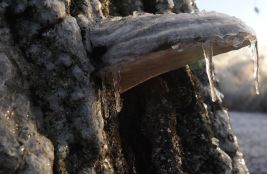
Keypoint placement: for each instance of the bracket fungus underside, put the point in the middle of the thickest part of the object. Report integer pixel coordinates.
(143, 46)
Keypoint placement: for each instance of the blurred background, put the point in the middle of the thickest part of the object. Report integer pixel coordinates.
(234, 71)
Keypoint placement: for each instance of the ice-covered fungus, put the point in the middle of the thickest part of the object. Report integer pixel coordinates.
(141, 47)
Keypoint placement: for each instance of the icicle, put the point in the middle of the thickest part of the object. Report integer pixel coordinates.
(208, 54)
(255, 58)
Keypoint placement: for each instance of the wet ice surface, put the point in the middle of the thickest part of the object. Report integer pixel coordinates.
(251, 131)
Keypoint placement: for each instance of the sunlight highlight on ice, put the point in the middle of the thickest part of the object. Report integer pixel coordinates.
(208, 54)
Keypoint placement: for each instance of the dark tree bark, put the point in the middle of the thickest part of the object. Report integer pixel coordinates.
(57, 117)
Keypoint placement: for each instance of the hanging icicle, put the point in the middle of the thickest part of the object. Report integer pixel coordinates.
(208, 54)
(255, 58)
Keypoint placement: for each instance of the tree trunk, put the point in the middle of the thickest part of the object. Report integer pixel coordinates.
(56, 116)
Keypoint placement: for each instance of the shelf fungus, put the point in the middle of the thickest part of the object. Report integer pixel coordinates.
(140, 47)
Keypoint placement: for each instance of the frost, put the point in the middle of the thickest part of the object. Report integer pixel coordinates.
(178, 47)
(140, 34)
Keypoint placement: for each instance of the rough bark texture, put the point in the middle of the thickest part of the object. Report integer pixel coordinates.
(56, 118)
